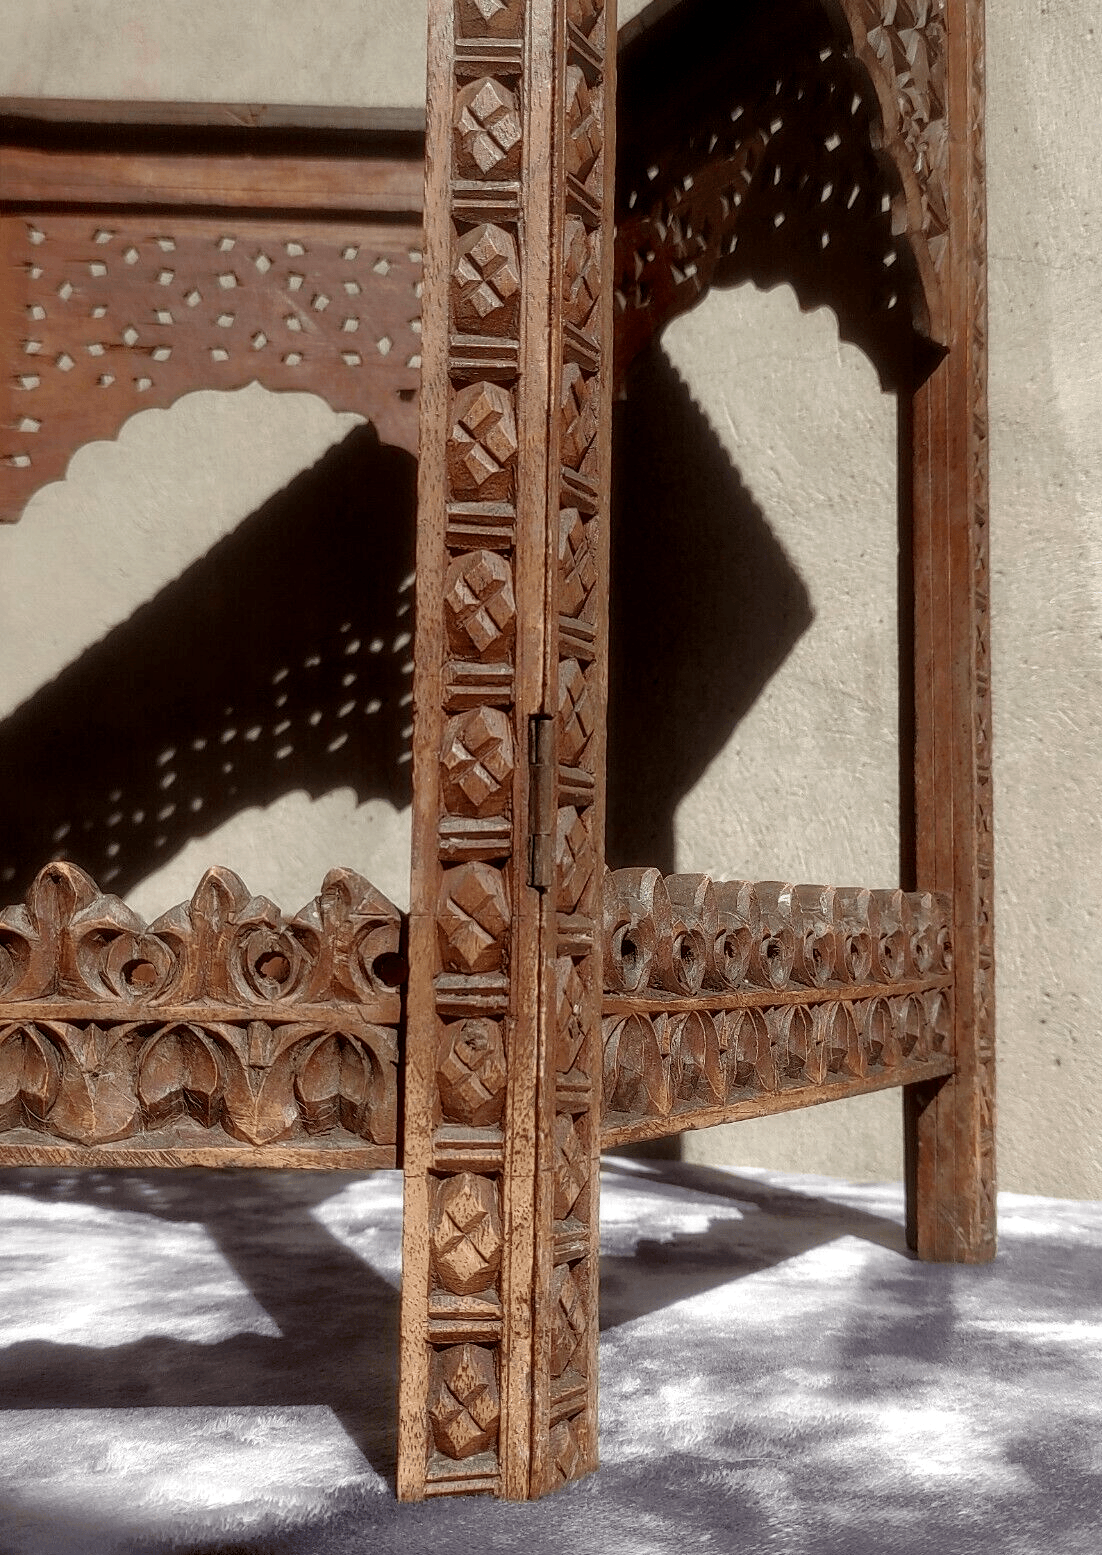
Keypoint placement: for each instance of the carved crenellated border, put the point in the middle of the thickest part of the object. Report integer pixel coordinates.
(224, 1024)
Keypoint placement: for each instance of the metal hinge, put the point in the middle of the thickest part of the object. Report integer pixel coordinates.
(541, 800)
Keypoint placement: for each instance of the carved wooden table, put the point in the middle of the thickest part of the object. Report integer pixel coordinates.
(550, 1007)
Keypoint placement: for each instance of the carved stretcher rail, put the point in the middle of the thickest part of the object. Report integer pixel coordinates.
(730, 1000)
(222, 1034)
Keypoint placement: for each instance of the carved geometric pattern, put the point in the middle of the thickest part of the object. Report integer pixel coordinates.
(577, 712)
(481, 608)
(581, 272)
(585, 14)
(487, 131)
(571, 1167)
(486, 281)
(577, 564)
(466, 1234)
(568, 1321)
(583, 126)
(568, 1450)
(471, 1072)
(579, 415)
(570, 1027)
(464, 1404)
(482, 448)
(125, 312)
(574, 858)
(491, 18)
(478, 761)
(473, 917)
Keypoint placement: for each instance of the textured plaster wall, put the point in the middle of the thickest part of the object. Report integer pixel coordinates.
(805, 783)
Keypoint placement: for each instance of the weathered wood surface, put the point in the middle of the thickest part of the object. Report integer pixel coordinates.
(499, 1317)
(223, 1025)
(951, 1128)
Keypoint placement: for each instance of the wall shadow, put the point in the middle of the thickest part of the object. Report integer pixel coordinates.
(280, 660)
(705, 606)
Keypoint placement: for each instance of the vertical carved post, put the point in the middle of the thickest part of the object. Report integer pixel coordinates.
(499, 1284)
(950, 1129)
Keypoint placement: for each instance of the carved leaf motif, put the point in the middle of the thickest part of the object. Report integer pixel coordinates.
(482, 445)
(137, 966)
(471, 1072)
(178, 1073)
(259, 1100)
(583, 126)
(465, 1234)
(38, 956)
(486, 281)
(751, 1062)
(478, 762)
(474, 915)
(571, 1168)
(839, 1039)
(568, 1321)
(333, 1085)
(480, 606)
(696, 1068)
(635, 1079)
(354, 935)
(464, 1403)
(487, 131)
(29, 1077)
(96, 1101)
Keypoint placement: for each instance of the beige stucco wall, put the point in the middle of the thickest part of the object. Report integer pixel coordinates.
(805, 785)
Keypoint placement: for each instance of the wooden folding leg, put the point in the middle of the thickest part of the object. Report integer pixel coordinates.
(950, 1126)
(499, 1296)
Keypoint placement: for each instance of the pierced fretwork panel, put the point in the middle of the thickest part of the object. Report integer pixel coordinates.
(221, 1028)
(790, 157)
(109, 314)
(733, 999)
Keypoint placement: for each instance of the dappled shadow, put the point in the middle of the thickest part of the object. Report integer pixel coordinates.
(280, 660)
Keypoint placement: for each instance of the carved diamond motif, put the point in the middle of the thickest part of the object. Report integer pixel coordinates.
(466, 1234)
(579, 415)
(570, 997)
(481, 609)
(573, 857)
(485, 280)
(482, 447)
(581, 272)
(487, 130)
(568, 1321)
(577, 564)
(473, 918)
(585, 14)
(478, 762)
(491, 18)
(576, 712)
(571, 1166)
(567, 1449)
(464, 1404)
(583, 126)
(471, 1072)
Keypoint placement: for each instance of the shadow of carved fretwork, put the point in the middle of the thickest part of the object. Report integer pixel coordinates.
(704, 605)
(760, 158)
(281, 660)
